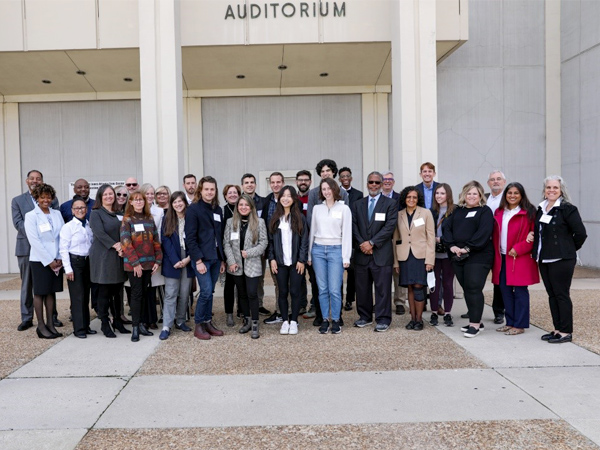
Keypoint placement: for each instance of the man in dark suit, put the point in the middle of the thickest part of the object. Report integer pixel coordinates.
(374, 219)
(20, 206)
(354, 195)
(82, 189)
(427, 186)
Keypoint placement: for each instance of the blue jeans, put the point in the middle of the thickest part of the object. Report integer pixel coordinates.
(329, 270)
(516, 301)
(206, 283)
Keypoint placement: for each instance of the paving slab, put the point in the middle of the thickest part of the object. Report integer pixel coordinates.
(111, 357)
(325, 398)
(41, 439)
(55, 403)
(588, 427)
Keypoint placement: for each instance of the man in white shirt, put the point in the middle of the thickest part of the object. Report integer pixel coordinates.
(189, 186)
(496, 182)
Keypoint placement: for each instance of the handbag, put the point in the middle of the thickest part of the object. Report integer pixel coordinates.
(440, 247)
(460, 258)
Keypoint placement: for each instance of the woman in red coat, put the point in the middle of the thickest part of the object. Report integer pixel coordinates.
(514, 269)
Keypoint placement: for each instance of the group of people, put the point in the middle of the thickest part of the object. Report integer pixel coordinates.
(158, 244)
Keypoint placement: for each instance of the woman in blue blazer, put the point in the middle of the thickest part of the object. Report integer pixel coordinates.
(42, 226)
(176, 267)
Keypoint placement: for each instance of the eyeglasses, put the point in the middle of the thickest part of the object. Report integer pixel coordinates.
(388, 179)
(131, 184)
(303, 180)
(374, 182)
(80, 208)
(121, 195)
(161, 193)
(345, 177)
(137, 200)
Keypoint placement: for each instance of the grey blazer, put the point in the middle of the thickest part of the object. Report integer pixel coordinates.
(252, 266)
(20, 206)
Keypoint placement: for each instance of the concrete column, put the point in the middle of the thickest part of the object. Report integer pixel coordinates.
(161, 92)
(553, 89)
(195, 154)
(375, 135)
(414, 87)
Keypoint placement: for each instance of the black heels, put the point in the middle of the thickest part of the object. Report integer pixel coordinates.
(117, 325)
(43, 336)
(107, 330)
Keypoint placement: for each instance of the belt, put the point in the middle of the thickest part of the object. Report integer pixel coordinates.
(77, 257)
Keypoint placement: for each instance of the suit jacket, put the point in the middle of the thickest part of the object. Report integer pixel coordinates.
(20, 206)
(203, 236)
(420, 239)
(263, 213)
(252, 265)
(67, 214)
(171, 246)
(43, 237)
(379, 232)
(354, 195)
(563, 236)
(299, 246)
(421, 188)
(396, 197)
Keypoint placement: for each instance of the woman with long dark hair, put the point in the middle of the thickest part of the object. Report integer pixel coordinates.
(441, 207)
(245, 240)
(514, 269)
(142, 256)
(176, 266)
(106, 262)
(288, 253)
(231, 194)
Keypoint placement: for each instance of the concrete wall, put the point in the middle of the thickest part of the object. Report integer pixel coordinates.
(580, 86)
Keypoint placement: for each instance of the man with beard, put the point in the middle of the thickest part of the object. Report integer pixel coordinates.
(303, 182)
(189, 186)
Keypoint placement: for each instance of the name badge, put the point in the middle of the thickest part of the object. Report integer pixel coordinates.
(379, 217)
(546, 218)
(45, 227)
(471, 214)
(305, 206)
(138, 227)
(217, 217)
(259, 212)
(235, 236)
(183, 236)
(336, 214)
(120, 218)
(284, 225)
(419, 222)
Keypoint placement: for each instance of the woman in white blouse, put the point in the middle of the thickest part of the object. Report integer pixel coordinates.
(75, 242)
(330, 249)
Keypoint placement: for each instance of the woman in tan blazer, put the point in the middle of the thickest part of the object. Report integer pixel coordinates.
(414, 251)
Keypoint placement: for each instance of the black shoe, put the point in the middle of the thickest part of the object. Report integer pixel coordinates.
(43, 336)
(144, 331)
(410, 325)
(263, 311)
(341, 321)
(547, 337)
(472, 332)
(125, 321)
(335, 327)
(80, 335)
(135, 334)
(107, 330)
(400, 310)
(90, 331)
(418, 326)
(57, 323)
(448, 320)
(26, 324)
(464, 316)
(317, 322)
(434, 320)
(348, 306)
(467, 326)
(499, 319)
(120, 327)
(183, 327)
(324, 328)
(558, 339)
(274, 318)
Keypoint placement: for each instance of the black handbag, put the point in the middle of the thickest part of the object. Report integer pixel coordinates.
(440, 247)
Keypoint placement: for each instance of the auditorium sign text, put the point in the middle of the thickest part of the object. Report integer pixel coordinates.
(275, 10)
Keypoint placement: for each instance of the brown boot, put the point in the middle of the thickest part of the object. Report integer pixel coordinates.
(200, 332)
(212, 330)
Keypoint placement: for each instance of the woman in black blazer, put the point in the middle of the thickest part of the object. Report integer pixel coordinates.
(288, 253)
(557, 235)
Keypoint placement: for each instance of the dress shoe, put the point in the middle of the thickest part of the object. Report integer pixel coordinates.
(135, 334)
(144, 331)
(558, 339)
(56, 333)
(153, 326)
(90, 331)
(201, 333)
(183, 327)
(125, 321)
(107, 330)
(348, 306)
(548, 336)
(43, 336)
(498, 319)
(212, 330)
(26, 324)
(57, 323)
(80, 335)
(464, 316)
(400, 310)
(118, 325)
(164, 334)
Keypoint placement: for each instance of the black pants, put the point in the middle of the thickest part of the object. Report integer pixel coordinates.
(557, 277)
(109, 296)
(149, 314)
(315, 292)
(289, 282)
(350, 285)
(139, 294)
(381, 276)
(471, 277)
(229, 293)
(247, 288)
(79, 291)
(498, 301)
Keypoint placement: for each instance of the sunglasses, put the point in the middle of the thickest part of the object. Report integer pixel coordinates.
(374, 182)
(121, 195)
(131, 184)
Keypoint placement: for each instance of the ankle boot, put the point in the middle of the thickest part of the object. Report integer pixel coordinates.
(106, 329)
(118, 325)
(135, 334)
(255, 334)
(144, 331)
(246, 326)
(230, 321)
(212, 330)
(200, 332)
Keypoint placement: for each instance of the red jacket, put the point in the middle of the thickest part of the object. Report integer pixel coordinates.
(522, 270)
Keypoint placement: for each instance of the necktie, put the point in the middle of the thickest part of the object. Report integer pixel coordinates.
(371, 208)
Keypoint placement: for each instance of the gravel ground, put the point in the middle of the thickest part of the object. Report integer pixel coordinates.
(20, 347)
(500, 435)
(13, 284)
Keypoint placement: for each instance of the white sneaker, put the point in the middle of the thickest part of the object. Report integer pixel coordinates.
(293, 327)
(285, 327)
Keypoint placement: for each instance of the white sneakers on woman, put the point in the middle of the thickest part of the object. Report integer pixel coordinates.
(289, 327)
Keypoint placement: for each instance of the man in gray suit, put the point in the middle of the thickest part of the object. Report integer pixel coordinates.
(20, 206)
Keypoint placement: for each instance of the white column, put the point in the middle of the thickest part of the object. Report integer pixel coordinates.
(553, 89)
(414, 87)
(161, 92)
(195, 154)
(376, 154)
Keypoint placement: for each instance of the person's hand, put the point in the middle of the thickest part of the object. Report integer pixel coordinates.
(233, 268)
(309, 262)
(397, 270)
(300, 267)
(59, 262)
(201, 268)
(438, 240)
(273, 266)
(244, 254)
(428, 267)
(177, 265)
(117, 247)
(529, 237)
(53, 265)
(457, 251)
(137, 271)
(366, 248)
(155, 268)
(185, 261)
(71, 276)
(223, 267)
(513, 253)
(346, 265)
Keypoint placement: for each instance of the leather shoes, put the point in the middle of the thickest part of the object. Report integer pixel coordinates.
(201, 333)
(90, 331)
(558, 339)
(57, 323)
(546, 337)
(499, 319)
(80, 335)
(464, 316)
(26, 324)
(212, 330)
(400, 310)
(183, 327)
